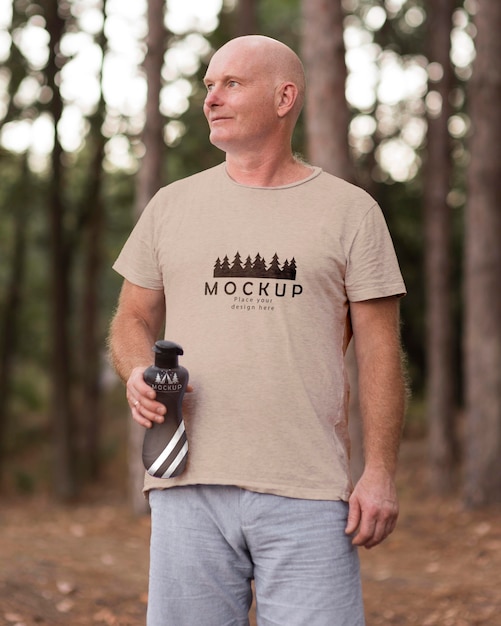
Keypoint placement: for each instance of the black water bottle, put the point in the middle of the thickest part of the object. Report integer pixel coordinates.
(165, 447)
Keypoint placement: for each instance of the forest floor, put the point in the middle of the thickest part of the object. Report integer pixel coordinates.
(87, 564)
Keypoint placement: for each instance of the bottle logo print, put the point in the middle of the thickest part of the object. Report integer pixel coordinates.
(165, 378)
(167, 381)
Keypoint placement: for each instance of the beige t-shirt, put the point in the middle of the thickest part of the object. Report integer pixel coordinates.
(257, 286)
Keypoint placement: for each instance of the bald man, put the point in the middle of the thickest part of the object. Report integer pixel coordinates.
(262, 268)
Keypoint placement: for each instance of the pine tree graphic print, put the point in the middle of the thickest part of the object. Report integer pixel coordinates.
(255, 268)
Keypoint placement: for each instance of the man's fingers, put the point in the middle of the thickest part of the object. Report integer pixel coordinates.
(374, 529)
(370, 523)
(354, 514)
(145, 411)
(366, 531)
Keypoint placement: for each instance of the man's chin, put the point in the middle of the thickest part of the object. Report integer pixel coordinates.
(218, 142)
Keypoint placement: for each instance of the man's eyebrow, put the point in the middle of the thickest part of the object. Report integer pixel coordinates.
(224, 79)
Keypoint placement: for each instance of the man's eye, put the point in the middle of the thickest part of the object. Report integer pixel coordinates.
(232, 83)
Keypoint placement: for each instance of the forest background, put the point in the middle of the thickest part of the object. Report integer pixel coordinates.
(100, 105)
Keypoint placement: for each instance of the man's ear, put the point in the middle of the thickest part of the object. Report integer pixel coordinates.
(287, 95)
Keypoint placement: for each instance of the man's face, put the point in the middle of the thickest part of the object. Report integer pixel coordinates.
(240, 101)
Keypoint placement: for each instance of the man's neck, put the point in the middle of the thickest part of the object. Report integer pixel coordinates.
(258, 171)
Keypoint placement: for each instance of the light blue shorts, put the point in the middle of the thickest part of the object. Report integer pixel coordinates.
(208, 542)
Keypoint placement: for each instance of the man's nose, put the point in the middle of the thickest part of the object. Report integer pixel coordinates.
(212, 98)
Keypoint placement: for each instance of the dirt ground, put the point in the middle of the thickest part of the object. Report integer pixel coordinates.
(87, 564)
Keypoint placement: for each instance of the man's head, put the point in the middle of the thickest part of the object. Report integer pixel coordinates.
(255, 92)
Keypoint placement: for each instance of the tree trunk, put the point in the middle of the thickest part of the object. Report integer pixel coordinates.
(92, 333)
(8, 332)
(150, 176)
(323, 54)
(149, 180)
(246, 18)
(65, 482)
(482, 325)
(440, 392)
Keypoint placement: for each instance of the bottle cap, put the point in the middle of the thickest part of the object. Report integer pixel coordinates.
(166, 353)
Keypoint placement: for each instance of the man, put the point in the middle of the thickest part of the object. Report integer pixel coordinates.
(261, 268)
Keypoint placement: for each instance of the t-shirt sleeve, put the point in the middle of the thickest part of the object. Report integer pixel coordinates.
(138, 259)
(372, 268)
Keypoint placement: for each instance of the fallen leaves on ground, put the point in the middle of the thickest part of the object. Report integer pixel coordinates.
(87, 564)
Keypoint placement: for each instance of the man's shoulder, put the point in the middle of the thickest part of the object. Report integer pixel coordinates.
(183, 191)
(194, 181)
(340, 194)
(343, 186)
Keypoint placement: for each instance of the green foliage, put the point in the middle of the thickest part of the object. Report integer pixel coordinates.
(24, 482)
(22, 192)
(403, 31)
(280, 19)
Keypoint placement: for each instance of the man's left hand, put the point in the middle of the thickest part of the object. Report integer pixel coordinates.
(373, 509)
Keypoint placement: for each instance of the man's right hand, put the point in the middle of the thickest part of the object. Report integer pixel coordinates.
(141, 397)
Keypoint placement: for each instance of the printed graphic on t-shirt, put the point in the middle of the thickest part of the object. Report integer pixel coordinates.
(256, 268)
(264, 285)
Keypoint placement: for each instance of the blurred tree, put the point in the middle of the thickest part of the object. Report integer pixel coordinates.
(12, 302)
(150, 176)
(63, 408)
(75, 217)
(246, 18)
(62, 196)
(441, 402)
(280, 19)
(482, 344)
(92, 227)
(327, 115)
(149, 180)
(12, 257)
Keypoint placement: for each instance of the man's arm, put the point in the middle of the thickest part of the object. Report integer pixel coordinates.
(382, 393)
(134, 329)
